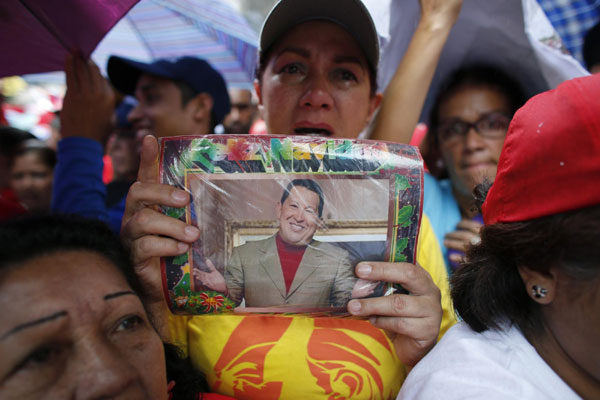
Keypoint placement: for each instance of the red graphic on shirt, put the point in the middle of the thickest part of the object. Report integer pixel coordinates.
(242, 361)
(343, 366)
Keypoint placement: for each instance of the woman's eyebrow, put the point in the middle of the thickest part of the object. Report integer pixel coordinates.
(30, 324)
(119, 294)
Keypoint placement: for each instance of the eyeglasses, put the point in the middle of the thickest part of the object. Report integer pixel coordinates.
(492, 126)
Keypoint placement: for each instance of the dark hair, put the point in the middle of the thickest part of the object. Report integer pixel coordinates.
(44, 153)
(187, 94)
(11, 138)
(308, 184)
(477, 75)
(25, 238)
(487, 289)
(591, 47)
(264, 56)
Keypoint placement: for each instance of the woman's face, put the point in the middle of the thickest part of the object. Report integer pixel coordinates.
(31, 180)
(72, 328)
(316, 82)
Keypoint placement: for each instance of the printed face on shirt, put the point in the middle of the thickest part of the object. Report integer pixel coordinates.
(298, 216)
(72, 328)
(316, 82)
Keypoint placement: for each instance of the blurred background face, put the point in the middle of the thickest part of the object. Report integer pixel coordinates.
(125, 156)
(73, 329)
(242, 114)
(160, 110)
(31, 179)
(316, 82)
(298, 216)
(469, 155)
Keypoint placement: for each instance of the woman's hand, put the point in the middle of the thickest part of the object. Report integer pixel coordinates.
(149, 233)
(411, 320)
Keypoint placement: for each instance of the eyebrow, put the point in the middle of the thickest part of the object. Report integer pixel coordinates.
(339, 59)
(33, 323)
(348, 59)
(119, 294)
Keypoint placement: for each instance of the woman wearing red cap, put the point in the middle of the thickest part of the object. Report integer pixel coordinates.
(529, 293)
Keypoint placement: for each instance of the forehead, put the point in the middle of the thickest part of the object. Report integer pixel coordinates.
(303, 195)
(474, 100)
(320, 35)
(67, 280)
(240, 96)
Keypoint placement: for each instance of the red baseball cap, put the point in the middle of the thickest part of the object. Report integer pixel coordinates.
(550, 162)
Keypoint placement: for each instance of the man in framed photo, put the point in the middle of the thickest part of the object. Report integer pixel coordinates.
(289, 268)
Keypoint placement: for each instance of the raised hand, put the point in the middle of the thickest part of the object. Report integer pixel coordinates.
(89, 102)
(411, 320)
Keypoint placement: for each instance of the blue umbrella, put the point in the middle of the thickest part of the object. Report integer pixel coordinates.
(209, 29)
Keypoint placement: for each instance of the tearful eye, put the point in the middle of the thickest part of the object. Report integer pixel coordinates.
(130, 323)
(291, 69)
(347, 76)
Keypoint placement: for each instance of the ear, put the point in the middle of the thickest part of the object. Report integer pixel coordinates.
(258, 91)
(278, 210)
(545, 283)
(203, 105)
(374, 104)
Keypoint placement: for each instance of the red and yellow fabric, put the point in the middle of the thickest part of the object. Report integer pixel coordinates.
(299, 357)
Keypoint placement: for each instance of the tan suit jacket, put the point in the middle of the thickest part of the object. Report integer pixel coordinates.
(325, 276)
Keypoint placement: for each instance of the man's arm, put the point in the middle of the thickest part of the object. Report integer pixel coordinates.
(85, 123)
(234, 277)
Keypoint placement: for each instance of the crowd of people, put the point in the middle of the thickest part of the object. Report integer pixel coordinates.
(501, 303)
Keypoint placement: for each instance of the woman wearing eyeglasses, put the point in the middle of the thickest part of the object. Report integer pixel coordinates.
(468, 125)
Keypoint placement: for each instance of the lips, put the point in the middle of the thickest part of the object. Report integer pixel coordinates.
(296, 227)
(313, 129)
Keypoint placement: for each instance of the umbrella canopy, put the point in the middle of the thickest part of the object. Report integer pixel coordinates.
(209, 29)
(153, 29)
(38, 34)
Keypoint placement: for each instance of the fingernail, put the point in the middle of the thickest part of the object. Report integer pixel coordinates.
(180, 196)
(354, 306)
(364, 269)
(182, 246)
(191, 231)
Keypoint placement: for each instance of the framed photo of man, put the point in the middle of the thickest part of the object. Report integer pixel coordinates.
(284, 220)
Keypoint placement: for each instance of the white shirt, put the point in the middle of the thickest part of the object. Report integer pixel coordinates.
(489, 365)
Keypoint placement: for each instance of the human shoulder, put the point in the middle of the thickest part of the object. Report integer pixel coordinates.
(495, 364)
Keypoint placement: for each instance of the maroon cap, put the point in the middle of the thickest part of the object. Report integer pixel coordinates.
(550, 162)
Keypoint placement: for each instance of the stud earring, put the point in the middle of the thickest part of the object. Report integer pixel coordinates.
(539, 292)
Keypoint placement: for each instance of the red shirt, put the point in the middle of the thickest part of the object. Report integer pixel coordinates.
(290, 257)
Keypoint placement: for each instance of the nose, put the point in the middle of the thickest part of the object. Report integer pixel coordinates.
(473, 140)
(135, 114)
(317, 93)
(104, 372)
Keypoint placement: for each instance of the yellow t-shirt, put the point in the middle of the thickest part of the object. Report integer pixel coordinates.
(300, 357)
